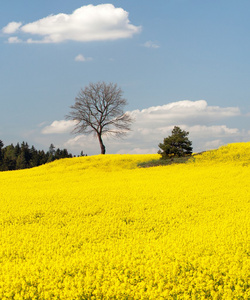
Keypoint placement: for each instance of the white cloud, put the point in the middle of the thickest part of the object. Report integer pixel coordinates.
(150, 44)
(61, 126)
(138, 151)
(214, 144)
(14, 40)
(154, 123)
(87, 23)
(213, 131)
(12, 27)
(82, 58)
(185, 111)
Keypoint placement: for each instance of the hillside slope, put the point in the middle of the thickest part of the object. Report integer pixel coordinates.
(101, 228)
(237, 153)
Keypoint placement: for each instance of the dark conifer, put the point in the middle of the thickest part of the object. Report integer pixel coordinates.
(176, 144)
(22, 157)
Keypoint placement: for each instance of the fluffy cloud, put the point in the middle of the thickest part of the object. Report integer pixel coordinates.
(61, 126)
(184, 111)
(150, 44)
(14, 40)
(214, 144)
(82, 58)
(197, 117)
(156, 122)
(11, 27)
(87, 23)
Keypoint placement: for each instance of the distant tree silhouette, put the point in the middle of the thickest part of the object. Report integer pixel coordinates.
(22, 157)
(1, 146)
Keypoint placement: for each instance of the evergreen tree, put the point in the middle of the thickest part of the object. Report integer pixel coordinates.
(21, 162)
(51, 153)
(34, 161)
(42, 158)
(17, 150)
(21, 157)
(1, 146)
(1, 154)
(24, 157)
(176, 144)
(52, 149)
(9, 158)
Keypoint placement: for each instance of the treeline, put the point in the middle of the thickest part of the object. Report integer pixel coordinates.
(23, 157)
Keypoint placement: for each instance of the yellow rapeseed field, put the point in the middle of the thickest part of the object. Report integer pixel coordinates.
(101, 228)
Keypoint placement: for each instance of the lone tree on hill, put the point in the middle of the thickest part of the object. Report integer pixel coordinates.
(98, 109)
(176, 144)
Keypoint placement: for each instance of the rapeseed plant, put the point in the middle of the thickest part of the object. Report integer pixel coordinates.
(101, 228)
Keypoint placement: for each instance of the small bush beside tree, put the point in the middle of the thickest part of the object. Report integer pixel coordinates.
(176, 145)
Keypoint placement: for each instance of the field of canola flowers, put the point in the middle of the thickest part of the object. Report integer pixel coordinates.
(101, 228)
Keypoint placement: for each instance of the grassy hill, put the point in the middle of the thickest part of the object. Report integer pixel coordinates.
(101, 228)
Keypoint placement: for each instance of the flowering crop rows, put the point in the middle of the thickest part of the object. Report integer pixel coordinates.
(101, 228)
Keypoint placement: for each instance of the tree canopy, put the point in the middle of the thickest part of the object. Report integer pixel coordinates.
(176, 144)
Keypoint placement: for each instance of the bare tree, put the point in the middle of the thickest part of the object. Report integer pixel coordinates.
(98, 109)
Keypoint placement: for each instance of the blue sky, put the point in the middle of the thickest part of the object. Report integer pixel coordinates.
(179, 62)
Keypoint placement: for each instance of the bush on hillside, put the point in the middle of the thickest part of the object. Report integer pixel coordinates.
(177, 144)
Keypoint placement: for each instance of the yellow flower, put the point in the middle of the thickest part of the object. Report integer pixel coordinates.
(101, 228)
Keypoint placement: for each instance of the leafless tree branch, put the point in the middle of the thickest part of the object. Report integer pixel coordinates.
(98, 109)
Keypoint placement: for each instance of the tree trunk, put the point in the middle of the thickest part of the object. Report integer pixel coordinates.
(103, 149)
